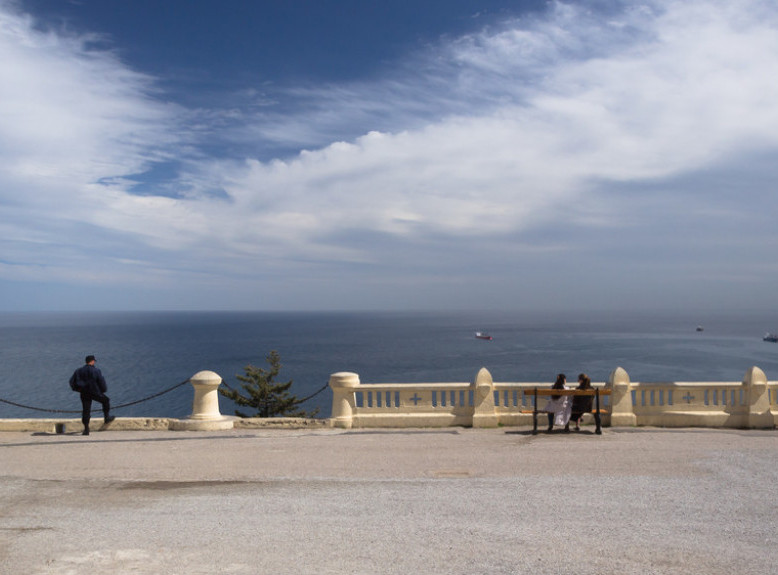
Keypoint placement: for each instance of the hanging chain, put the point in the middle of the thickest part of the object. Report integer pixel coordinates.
(79, 411)
(138, 401)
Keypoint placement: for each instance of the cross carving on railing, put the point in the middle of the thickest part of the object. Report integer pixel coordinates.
(415, 399)
(688, 397)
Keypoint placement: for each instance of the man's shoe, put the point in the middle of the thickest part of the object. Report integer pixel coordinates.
(110, 419)
(85, 432)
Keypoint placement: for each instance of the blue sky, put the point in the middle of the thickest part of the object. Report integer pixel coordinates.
(400, 155)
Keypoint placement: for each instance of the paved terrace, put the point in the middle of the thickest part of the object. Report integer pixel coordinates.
(325, 501)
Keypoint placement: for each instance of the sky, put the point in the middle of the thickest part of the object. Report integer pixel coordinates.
(398, 155)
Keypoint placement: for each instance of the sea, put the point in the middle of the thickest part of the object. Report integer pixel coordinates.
(145, 354)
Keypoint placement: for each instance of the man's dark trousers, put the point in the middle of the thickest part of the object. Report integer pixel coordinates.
(86, 406)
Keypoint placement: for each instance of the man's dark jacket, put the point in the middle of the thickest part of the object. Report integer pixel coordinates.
(88, 379)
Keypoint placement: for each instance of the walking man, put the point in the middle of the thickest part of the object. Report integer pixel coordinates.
(90, 383)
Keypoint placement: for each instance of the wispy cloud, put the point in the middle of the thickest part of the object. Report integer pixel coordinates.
(555, 112)
(460, 157)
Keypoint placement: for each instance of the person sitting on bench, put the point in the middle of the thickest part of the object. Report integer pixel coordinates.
(581, 403)
(558, 406)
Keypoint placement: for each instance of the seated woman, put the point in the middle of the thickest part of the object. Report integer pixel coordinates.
(558, 406)
(581, 403)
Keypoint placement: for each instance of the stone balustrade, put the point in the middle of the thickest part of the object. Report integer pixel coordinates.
(747, 404)
(751, 403)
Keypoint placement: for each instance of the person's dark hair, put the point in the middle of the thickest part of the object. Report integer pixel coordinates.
(584, 381)
(89, 358)
(558, 384)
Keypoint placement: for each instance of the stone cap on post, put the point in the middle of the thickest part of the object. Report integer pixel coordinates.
(344, 379)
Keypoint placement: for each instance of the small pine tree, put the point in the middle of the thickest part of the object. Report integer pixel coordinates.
(270, 399)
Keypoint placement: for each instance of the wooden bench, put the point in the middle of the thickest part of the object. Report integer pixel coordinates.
(546, 392)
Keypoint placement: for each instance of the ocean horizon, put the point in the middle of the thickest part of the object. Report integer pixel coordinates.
(143, 353)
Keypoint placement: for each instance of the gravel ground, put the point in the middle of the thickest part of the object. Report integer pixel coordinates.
(453, 501)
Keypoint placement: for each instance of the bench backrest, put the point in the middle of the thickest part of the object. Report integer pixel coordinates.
(547, 391)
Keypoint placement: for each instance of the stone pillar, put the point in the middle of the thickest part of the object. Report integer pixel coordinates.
(206, 395)
(205, 406)
(484, 414)
(759, 414)
(343, 384)
(622, 413)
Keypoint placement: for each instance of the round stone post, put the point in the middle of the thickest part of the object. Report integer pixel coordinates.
(205, 406)
(343, 384)
(622, 413)
(206, 395)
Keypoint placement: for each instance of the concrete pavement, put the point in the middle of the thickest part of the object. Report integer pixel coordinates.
(389, 501)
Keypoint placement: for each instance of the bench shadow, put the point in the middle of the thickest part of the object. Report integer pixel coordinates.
(529, 432)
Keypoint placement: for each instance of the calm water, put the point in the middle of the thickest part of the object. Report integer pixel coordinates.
(143, 353)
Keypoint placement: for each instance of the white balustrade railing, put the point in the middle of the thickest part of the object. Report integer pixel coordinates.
(484, 403)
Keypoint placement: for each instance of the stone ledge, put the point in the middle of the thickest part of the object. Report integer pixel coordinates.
(281, 423)
(66, 425)
(73, 425)
(207, 424)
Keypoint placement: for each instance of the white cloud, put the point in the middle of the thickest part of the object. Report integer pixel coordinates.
(71, 116)
(71, 111)
(486, 139)
(692, 92)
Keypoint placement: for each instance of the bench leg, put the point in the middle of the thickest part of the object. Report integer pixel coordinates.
(535, 413)
(598, 427)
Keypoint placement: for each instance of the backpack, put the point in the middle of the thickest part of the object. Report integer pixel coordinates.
(77, 385)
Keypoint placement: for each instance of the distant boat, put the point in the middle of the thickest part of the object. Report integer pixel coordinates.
(699, 328)
(483, 335)
(773, 337)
